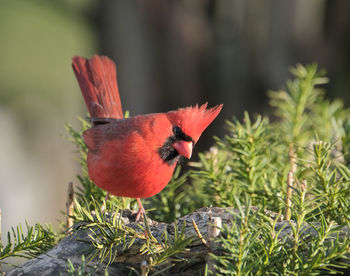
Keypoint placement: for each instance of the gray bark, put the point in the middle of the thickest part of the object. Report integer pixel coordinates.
(54, 262)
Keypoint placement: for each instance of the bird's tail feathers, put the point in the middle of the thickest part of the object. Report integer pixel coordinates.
(97, 79)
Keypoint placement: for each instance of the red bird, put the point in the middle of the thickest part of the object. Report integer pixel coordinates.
(133, 157)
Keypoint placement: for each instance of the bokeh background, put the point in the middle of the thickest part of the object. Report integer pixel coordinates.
(169, 54)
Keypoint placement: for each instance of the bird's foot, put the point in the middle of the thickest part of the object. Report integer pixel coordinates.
(139, 215)
(140, 212)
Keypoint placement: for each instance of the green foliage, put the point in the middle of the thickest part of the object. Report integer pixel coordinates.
(251, 164)
(247, 160)
(28, 244)
(329, 181)
(241, 250)
(83, 269)
(297, 106)
(254, 245)
(255, 156)
(167, 251)
(107, 232)
(109, 235)
(248, 168)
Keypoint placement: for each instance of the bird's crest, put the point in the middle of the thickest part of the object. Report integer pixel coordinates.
(194, 120)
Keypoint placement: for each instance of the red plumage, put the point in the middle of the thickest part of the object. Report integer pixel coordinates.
(97, 80)
(133, 157)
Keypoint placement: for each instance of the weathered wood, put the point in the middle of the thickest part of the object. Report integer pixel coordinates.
(54, 261)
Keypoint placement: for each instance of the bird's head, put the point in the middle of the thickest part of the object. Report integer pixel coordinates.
(187, 126)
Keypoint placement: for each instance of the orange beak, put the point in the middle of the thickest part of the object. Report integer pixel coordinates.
(184, 148)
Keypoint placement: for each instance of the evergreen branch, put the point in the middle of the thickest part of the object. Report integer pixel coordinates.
(37, 240)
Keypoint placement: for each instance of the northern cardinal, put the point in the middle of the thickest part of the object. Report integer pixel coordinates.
(133, 157)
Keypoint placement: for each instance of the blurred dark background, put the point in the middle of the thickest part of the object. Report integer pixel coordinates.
(169, 54)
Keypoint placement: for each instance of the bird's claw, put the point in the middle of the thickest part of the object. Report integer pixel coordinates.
(139, 215)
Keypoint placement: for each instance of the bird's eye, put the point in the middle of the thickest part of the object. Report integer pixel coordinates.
(177, 130)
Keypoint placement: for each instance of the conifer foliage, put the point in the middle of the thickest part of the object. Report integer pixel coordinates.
(294, 163)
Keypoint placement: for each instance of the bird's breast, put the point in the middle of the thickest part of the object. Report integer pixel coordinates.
(131, 167)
